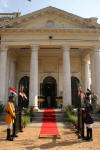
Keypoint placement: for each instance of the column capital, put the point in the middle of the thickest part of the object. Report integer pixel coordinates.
(34, 47)
(85, 59)
(3, 47)
(66, 47)
(96, 48)
(13, 59)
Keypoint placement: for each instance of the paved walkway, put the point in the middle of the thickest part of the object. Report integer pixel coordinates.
(28, 140)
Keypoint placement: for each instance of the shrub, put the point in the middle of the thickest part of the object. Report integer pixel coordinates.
(25, 120)
(26, 111)
(31, 112)
(71, 114)
(1, 108)
(69, 108)
(71, 118)
(27, 115)
(98, 109)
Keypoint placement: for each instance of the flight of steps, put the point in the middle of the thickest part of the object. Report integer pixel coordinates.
(38, 116)
(96, 117)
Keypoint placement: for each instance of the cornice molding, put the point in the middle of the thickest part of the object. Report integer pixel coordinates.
(3, 47)
(53, 30)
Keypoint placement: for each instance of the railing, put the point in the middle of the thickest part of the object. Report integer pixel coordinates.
(9, 15)
(41, 101)
(59, 101)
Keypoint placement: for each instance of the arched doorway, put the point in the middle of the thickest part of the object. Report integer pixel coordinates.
(75, 84)
(50, 91)
(24, 86)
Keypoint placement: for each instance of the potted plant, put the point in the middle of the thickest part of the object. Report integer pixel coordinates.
(25, 120)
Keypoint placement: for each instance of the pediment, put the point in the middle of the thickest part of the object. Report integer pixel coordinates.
(49, 21)
(49, 17)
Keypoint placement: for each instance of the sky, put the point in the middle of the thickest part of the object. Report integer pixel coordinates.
(83, 8)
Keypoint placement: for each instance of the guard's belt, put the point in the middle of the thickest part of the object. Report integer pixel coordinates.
(8, 112)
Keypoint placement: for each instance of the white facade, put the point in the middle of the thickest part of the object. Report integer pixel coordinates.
(49, 42)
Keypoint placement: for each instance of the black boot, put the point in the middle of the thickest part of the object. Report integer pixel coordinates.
(14, 129)
(87, 137)
(90, 134)
(9, 138)
(14, 134)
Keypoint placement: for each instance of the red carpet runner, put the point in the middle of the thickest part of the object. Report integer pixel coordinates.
(49, 126)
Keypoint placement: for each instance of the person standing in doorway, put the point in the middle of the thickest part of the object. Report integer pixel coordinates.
(49, 101)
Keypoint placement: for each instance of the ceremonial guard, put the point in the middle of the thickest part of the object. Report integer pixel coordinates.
(81, 97)
(21, 103)
(88, 94)
(88, 119)
(10, 109)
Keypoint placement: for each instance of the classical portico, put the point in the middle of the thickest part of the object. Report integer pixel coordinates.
(49, 47)
(34, 76)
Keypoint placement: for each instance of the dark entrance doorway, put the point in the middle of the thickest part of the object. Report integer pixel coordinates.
(50, 91)
(24, 87)
(75, 84)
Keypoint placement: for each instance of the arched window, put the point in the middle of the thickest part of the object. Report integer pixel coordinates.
(24, 86)
(75, 84)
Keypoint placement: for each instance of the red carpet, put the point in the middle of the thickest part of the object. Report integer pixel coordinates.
(49, 126)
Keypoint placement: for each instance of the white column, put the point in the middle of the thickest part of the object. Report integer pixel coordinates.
(86, 75)
(92, 72)
(66, 76)
(96, 72)
(33, 97)
(3, 73)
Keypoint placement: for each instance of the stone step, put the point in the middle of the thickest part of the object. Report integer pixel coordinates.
(96, 117)
(38, 117)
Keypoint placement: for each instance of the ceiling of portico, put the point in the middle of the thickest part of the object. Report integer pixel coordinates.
(49, 52)
(50, 17)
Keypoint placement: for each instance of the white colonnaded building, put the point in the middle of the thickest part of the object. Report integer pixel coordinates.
(49, 54)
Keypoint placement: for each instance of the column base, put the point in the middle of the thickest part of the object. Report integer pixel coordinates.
(63, 109)
(36, 109)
